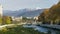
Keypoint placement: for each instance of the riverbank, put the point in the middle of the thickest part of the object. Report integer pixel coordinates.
(19, 30)
(55, 27)
(27, 29)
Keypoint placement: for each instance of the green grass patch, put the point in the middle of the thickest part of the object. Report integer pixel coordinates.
(19, 30)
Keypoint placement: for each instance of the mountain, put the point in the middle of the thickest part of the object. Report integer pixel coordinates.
(32, 13)
(23, 12)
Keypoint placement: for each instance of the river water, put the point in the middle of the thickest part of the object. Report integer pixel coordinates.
(42, 29)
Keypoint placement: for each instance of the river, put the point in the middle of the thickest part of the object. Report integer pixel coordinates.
(42, 29)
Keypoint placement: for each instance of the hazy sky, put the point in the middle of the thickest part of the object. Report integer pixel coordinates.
(20, 4)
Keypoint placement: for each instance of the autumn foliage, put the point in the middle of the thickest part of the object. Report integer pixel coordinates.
(51, 15)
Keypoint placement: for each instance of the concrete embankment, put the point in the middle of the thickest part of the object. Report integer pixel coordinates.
(57, 27)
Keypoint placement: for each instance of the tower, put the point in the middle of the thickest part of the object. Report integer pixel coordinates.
(1, 9)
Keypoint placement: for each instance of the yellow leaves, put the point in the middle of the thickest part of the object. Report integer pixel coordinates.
(7, 19)
(47, 10)
(0, 20)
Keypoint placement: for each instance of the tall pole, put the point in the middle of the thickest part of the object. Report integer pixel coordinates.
(1, 10)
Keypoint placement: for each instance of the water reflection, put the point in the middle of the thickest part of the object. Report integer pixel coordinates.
(41, 29)
(51, 31)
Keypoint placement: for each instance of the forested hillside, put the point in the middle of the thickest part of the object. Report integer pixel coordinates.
(51, 15)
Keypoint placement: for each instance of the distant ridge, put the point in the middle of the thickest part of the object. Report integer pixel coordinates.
(23, 12)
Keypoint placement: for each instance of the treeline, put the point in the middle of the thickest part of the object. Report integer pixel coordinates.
(5, 20)
(51, 15)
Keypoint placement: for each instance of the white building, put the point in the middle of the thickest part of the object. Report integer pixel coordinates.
(36, 17)
(1, 9)
(16, 18)
(29, 17)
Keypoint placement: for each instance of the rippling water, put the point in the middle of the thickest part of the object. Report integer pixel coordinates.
(41, 29)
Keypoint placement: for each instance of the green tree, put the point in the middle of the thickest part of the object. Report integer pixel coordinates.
(0, 21)
(7, 20)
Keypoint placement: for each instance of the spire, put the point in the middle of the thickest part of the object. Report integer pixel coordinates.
(1, 9)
